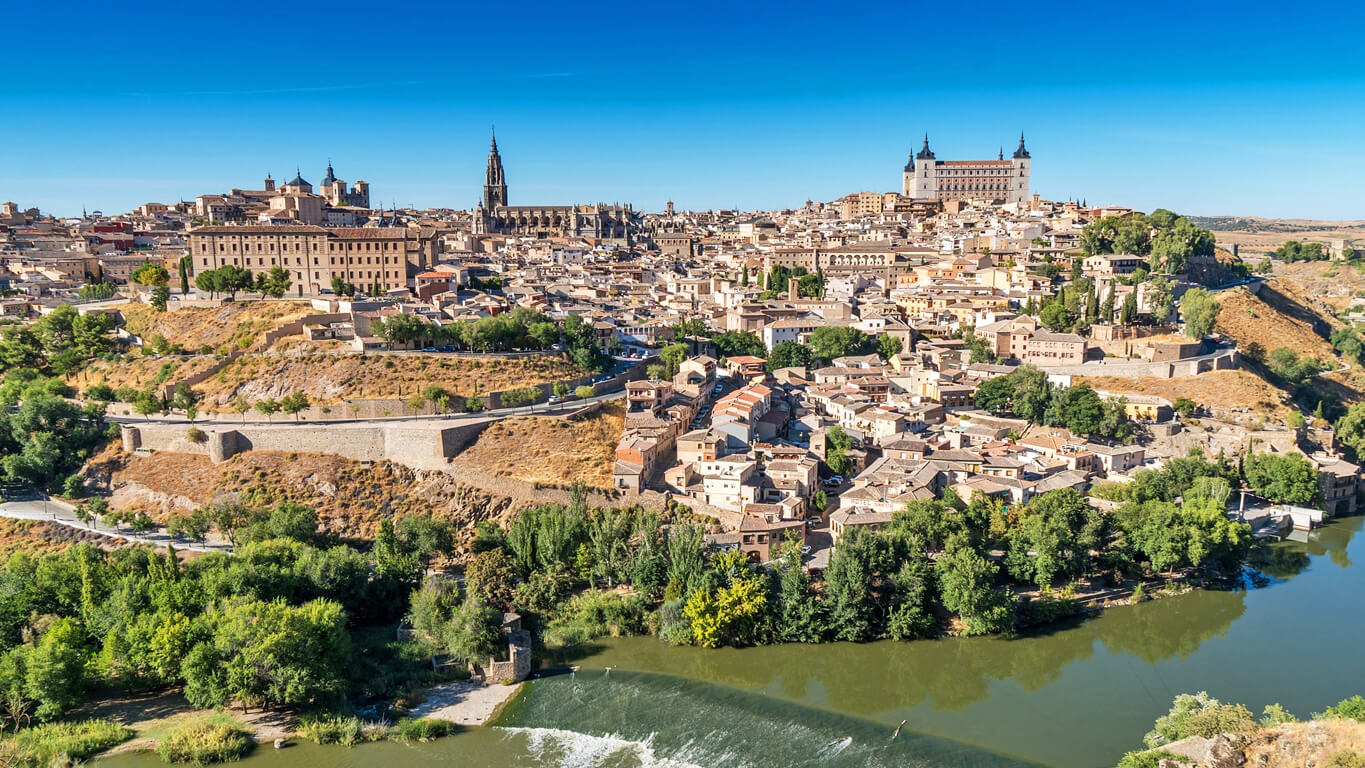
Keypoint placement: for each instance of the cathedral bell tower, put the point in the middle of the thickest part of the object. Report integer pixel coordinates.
(494, 183)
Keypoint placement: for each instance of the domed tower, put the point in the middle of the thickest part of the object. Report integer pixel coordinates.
(1019, 183)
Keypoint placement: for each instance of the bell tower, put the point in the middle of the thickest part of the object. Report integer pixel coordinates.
(494, 182)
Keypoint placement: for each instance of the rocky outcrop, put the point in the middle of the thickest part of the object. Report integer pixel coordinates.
(1292, 745)
(1222, 751)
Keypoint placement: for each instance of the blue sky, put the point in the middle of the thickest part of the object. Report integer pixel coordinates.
(1206, 108)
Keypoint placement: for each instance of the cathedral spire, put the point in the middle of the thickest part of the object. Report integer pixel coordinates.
(494, 181)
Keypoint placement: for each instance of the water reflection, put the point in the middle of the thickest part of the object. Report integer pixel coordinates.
(949, 674)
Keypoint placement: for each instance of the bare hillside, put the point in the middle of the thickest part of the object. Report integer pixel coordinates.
(237, 325)
(541, 450)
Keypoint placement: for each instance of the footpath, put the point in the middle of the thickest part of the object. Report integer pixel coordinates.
(60, 512)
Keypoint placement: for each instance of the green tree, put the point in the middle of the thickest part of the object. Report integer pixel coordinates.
(294, 403)
(833, 341)
(1128, 312)
(1056, 317)
(672, 357)
(186, 264)
(1282, 478)
(799, 616)
(854, 566)
(967, 581)
(150, 274)
(161, 295)
(837, 445)
(734, 343)
(889, 346)
(995, 395)
(1158, 299)
(269, 406)
(1199, 310)
(276, 282)
(790, 354)
(54, 669)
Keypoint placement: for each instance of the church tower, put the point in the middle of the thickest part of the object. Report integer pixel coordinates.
(494, 183)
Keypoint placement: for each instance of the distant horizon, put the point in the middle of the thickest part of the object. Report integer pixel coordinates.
(715, 107)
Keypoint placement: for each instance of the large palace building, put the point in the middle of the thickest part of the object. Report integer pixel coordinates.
(493, 216)
(927, 178)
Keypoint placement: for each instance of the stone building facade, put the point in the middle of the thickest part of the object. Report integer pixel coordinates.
(494, 216)
(313, 255)
(925, 177)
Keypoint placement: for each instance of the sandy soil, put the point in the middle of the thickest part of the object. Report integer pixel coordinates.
(465, 703)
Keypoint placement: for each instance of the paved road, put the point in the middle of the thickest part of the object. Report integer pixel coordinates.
(500, 413)
(55, 510)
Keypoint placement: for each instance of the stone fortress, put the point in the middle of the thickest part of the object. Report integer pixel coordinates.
(925, 177)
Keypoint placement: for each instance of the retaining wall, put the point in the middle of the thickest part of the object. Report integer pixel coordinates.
(1134, 369)
(419, 445)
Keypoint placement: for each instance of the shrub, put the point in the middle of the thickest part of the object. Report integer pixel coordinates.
(595, 613)
(1346, 709)
(1199, 715)
(1148, 759)
(522, 396)
(100, 393)
(584, 392)
(196, 435)
(60, 743)
(209, 739)
(1346, 758)
(1274, 715)
(423, 728)
(346, 731)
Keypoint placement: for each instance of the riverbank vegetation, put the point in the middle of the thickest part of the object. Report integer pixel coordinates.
(939, 567)
(209, 739)
(1201, 724)
(293, 619)
(55, 744)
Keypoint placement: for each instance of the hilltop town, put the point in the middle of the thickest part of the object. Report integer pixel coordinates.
(1057, 405)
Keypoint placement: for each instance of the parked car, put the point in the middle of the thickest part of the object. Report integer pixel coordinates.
(834, 482)
(445, 348)
(428, 349)
(556, 399)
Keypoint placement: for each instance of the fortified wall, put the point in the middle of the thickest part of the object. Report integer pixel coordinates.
(419, 445)
(1134, 369)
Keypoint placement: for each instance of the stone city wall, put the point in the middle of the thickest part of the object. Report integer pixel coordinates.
(1133, 369)
(413, 444)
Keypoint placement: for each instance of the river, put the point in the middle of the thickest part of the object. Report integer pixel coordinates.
(1074, 696)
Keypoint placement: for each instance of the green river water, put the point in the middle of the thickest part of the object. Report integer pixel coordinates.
(1075, 696)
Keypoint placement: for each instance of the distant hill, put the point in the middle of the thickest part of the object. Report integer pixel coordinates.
(1259, 224)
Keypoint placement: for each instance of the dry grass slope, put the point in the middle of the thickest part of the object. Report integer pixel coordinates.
(38, 537)
(238, 325)
(330, 378)
(541, 450)
(1220, 391)
(1280, 317)
(138, 372)
(351, 498)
